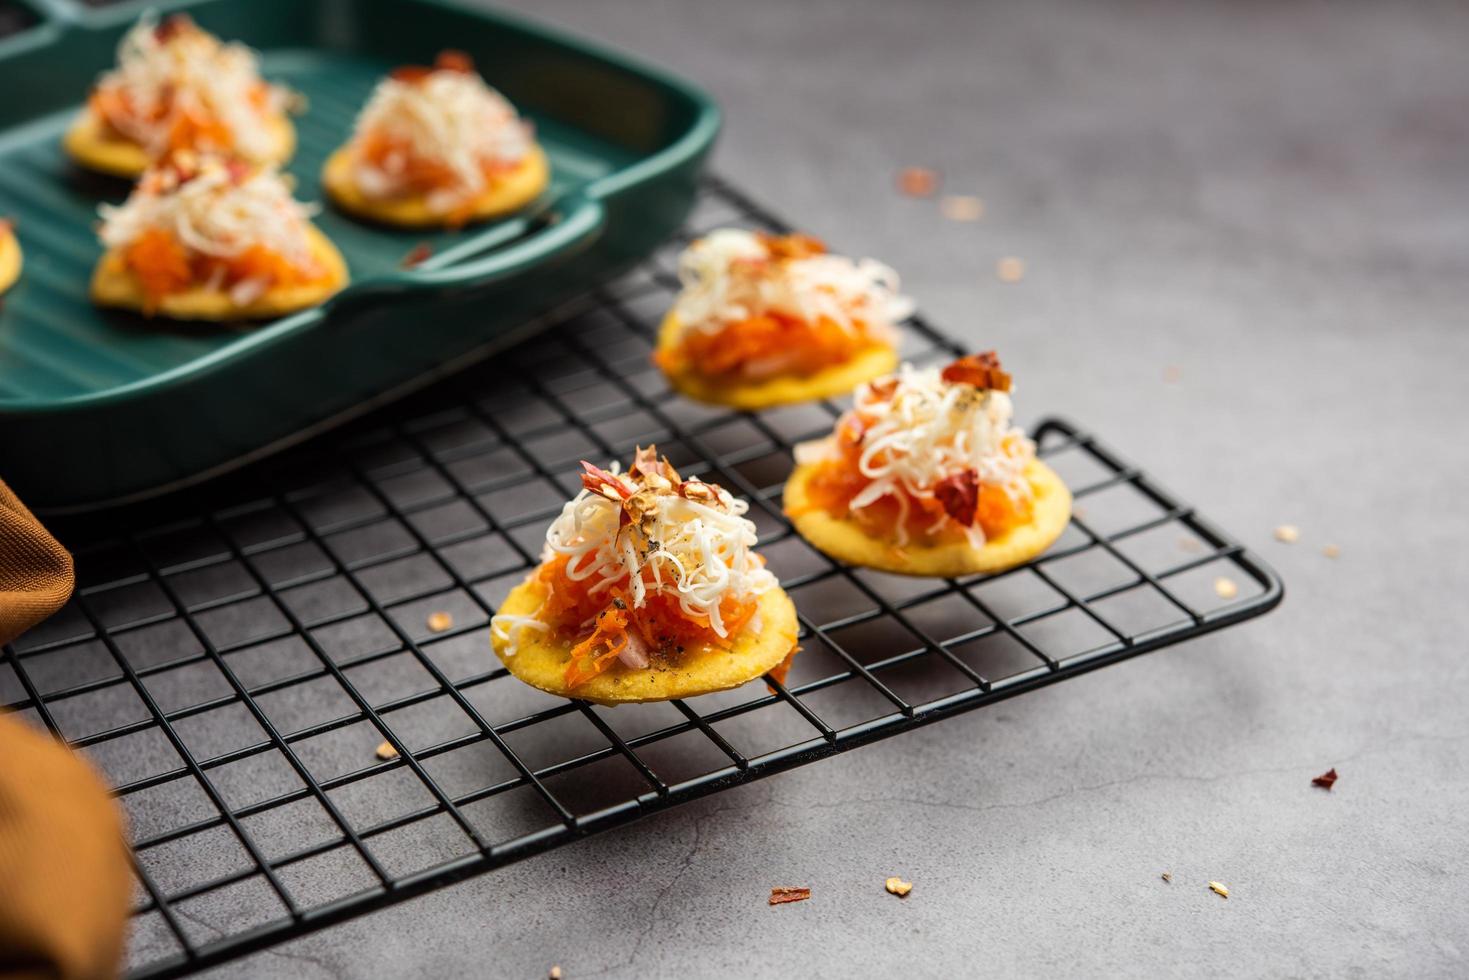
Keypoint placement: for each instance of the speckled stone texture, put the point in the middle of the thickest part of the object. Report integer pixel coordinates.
(1270, 198)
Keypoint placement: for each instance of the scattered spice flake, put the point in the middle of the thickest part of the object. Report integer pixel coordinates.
(1331, 551)
(1171, 374)
(897, 886)
(1010, 269)
(440, 621)
(1288, 533)
(781, 895)
(961, 207)
(1219, 888)
(451, 60)
(982, 370)
(918, 181)
(794, 246)
(1225, 588)
(418, 255)
(387, 751)
(1167, 877)
(555, 973)
(1326, 780)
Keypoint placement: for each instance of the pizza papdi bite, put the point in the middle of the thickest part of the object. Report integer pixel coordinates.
(926, 475)
(205, 238)
(648, 590)
(178, 87)
(435, 147)
(766, 320)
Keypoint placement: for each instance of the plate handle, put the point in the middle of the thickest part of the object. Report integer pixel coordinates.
(581, 221)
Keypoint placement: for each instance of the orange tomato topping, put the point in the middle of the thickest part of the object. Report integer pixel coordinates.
(188, 129)
(961, 497)
(765, 345)
(163, 266)
(770, 343)
(659, 626)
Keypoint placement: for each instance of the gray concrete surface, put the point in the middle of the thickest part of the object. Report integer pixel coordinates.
(1247, 235)
(1274, 198)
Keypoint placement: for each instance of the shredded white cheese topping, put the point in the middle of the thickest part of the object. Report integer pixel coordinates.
(929, 429)
(696, 553)
(730, 275)
(451, 117)
(191, 72)
(213, 213)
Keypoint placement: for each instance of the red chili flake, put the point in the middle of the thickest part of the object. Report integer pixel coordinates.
(699, 492)
(796, 246)
(780, 896)
(418, 255)
(1326, 779)
(238, 170)
(645, 463)
(959, 494)
(411, 74)
(602, 483)
(171, 27)
(883, 388)
(918, 181)
(452, 60)
(981, 370)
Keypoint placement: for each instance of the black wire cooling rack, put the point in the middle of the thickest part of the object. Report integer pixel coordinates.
(235, 666)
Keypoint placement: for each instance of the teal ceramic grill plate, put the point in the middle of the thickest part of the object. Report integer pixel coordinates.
(99, 406)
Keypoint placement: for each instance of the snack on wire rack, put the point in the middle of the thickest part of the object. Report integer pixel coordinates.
(648, 590)
(204, 238)
(925, 475)
(767, 320)
(178, 87)
(437, 147)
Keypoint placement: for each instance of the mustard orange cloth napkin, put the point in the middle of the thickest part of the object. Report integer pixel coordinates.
(64, 872)
(35, 571)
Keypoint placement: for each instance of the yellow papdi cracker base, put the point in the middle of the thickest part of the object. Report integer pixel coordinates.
(9, 259)
(541, 658)
(846, 540)
(831, 382)
(115, 286)
(90, 144)
(510, 191)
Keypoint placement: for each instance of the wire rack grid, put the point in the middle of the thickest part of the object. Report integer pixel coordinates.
(234, 666)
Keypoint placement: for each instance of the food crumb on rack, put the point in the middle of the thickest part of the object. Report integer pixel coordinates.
(1010, 269)
(440, 621)
(1167, 877)
(387, 751)
(1188, 543)
(961, 207)
(780, 895)
(1219, 888)
(555, 973)
(918, 181)
(1326, 780)
(1225, 588)
(1287, 533)
(898, 886)
(417, 255)
(1331, 551)
(1172, 373)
